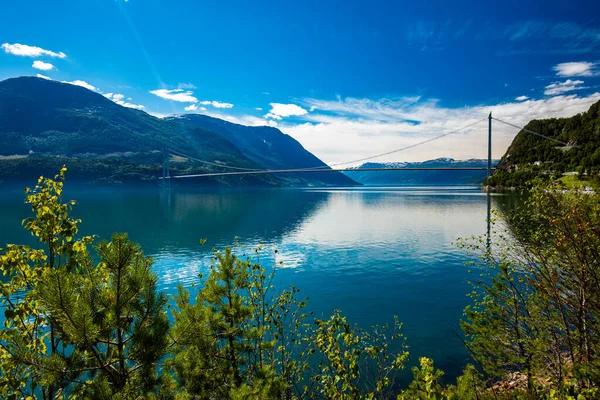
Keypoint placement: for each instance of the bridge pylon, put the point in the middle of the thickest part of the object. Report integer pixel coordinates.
(489, 168)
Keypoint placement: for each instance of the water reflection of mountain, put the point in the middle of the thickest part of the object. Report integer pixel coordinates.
(179, 219)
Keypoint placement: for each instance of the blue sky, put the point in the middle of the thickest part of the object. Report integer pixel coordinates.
(346, 78)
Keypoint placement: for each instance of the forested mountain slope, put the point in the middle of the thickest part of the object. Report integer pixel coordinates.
(529, 155)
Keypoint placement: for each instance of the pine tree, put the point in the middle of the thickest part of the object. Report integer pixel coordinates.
(239, 340)
(215, 336)
(30, 346)
(75, 328)
(112, 315)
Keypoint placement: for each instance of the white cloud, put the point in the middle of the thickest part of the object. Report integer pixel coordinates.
(202, 108)
(183, 95)
(118, 98)
(521, 98)
(18, 49)
(563, 87)
(191, 107)
(44, 66)
(176, 95)
(216, 104)
(130, 105)
(82, 84)
(221, 105)
(273, 116)
(279, 110)
(44, 77)
(576, 69)
(258, 109)
(351, 128)
(248, 120)
(159, 114)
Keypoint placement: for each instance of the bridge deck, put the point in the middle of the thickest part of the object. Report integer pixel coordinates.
(289, 171)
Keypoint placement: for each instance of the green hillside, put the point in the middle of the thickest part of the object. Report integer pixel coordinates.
(530, 156)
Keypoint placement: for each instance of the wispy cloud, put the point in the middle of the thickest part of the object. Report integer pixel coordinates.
(569, 69)
(563, 87)
(186, 86)
(18, 49)
(525, 30)
(82, 84)
(545, 37)
(521, 98)
(176, 95)
(462, 29)
(120, 100)
(350, 128)
(191, 107)
(43, 66)
(534, 36)
(429, 35)
(279, 111)
(420, 31)
(44, 77)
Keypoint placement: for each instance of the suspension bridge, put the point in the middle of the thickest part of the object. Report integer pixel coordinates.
(338, 167)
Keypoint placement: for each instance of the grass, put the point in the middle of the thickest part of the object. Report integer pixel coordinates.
(577, 182)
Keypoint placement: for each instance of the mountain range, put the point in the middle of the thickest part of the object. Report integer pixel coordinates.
(410, 177)
(45, 124)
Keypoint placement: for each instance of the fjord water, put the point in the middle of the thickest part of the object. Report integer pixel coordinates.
(371, 252)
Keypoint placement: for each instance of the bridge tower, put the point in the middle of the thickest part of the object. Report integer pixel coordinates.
(489, 168)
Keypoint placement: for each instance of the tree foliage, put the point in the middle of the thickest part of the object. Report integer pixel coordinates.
(73, 327)
(536, 308)
(581, 133)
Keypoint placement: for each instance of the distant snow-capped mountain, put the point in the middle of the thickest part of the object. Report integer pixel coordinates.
(422, 177)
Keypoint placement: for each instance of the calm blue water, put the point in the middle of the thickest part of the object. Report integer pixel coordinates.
(371, 252)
